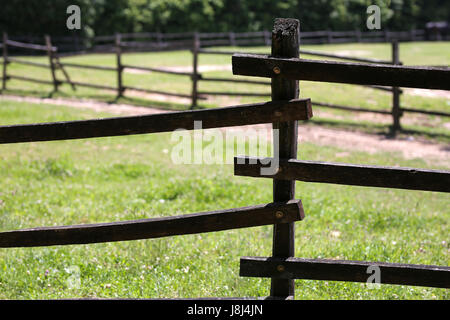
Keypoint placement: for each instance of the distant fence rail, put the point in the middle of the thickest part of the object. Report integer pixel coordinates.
(196, 77)
(157, 41)
(170, 41)
(284, 112)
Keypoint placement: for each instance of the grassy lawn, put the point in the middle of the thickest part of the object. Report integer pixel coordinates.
(133, 177)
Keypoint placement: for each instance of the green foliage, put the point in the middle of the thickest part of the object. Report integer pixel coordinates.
(105, 17)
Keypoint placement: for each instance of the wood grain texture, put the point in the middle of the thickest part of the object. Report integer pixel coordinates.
(344, 270)
(348, 174)
(285, 36)
(156, 227)
(341, 72)
(163, 122)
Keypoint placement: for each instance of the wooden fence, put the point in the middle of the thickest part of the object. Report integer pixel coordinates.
(285, 69)
(194, 76)
(170, 41)
(396, 110)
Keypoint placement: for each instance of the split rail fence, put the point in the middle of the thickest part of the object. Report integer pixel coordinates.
(284, 111)
(183, 40)
(195, 76)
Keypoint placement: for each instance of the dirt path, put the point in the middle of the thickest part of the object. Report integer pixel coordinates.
(432, 153)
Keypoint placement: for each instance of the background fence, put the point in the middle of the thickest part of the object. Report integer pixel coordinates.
(124, 43)
(156, 41)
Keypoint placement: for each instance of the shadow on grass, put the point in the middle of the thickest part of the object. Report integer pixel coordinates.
(385, 131)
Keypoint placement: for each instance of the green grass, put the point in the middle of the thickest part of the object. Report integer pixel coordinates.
(133, 177)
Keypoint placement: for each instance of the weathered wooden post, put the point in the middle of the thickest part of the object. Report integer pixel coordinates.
(195, 75)
(267, 38)
(329, 36)
(50, 54)
(358, 35)
(285, 44)
(396, 111)
(120, 88)
(232, 38)
(5, 60)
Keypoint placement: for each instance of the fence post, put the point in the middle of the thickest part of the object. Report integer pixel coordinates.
(386, 35)
(195, 76)
(285, 43)
(232, 38)
(267, 38)
(120, 88)
(5, 60)
(50, 54)
(396, 111)
(329, 36)
(358, 35)
(159, 38)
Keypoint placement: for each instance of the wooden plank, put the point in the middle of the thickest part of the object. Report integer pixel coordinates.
(396, 112)
(244, 217)
(29, 46)
(345, 270)
(119, 67)
(243, 94)
(432, 113)
(86, 66)
(166, 93)
(5, 60)
(89, 85)
(353, 109)
(329, 55)
(63, 70)
(195, 75)
(162, 122)
(235, 80)
(219, 42)
(50, 54)
(30, 63)
(30, 79)
(341, 72)
(348, 174)
(209, 51)
(180, 73)
(285, 43)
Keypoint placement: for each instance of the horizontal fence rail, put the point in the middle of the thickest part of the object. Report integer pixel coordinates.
(166, 93)
(329, 55)
(348, 108)
(347, 174)
(86, 66)
(30, 46)
(244, 217)
(160, 70)
(344, 270)
(30, 63)
(221, 117)
(49, 82)
(341, 72)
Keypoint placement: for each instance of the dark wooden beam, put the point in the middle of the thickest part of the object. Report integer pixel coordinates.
(344, 270)
(163, 122)
(348, 174)
(156, 227)
(285, 36)
(341, 72)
